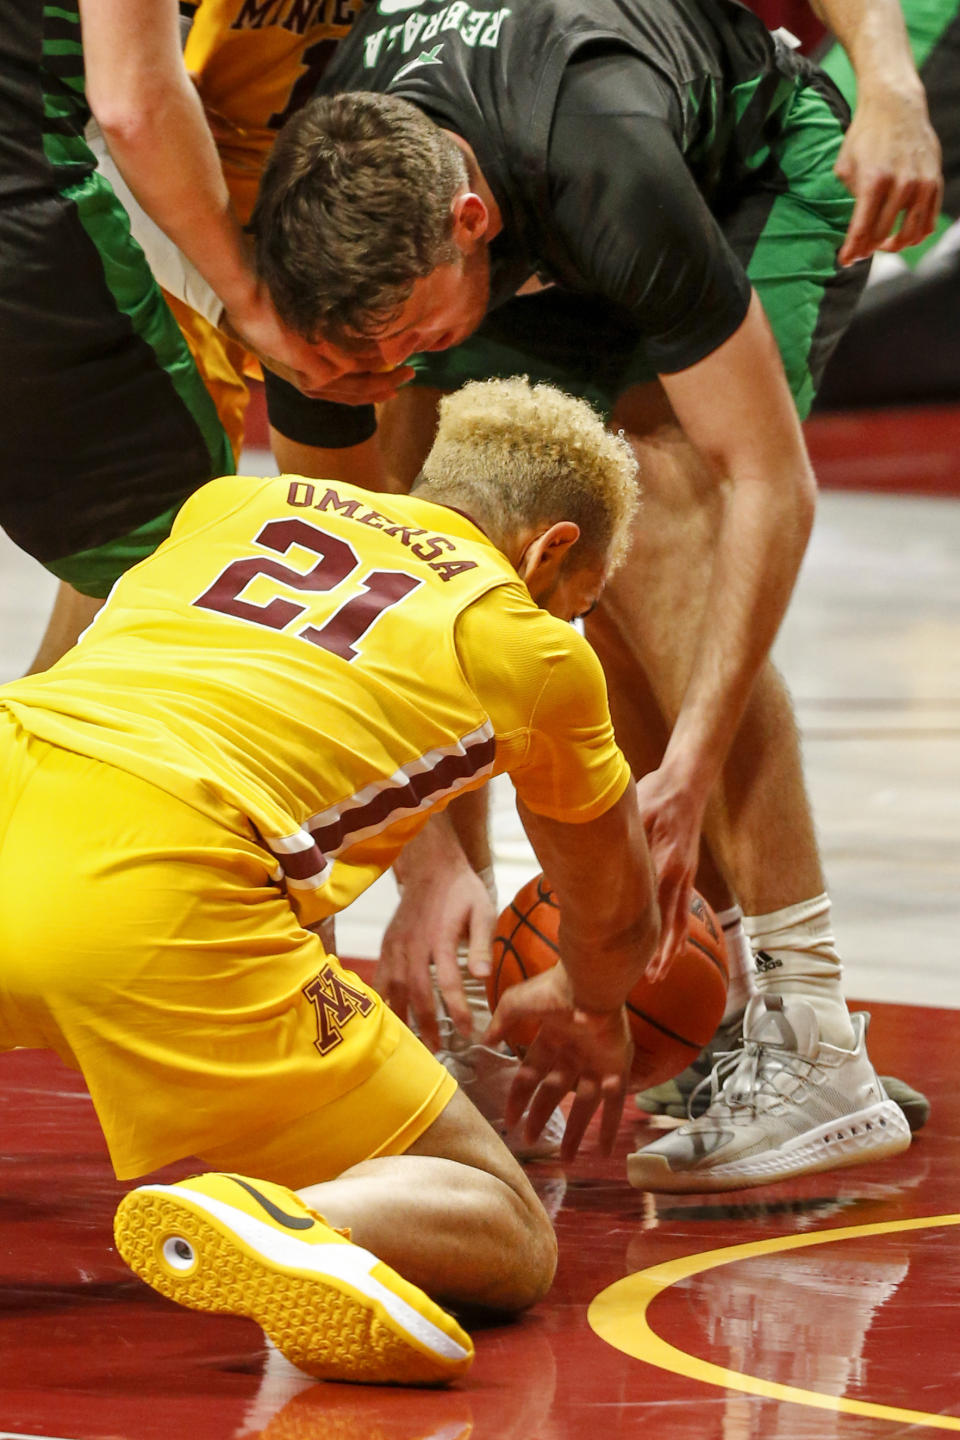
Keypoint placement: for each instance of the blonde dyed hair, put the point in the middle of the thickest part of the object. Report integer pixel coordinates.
(514, 454)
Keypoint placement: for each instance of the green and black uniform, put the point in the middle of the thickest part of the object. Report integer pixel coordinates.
(651, 158)
(106, 425)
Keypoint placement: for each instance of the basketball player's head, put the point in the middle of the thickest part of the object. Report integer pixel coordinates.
(543, 477)
(367, 233)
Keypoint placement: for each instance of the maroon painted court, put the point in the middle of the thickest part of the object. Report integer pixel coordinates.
(869, 1317)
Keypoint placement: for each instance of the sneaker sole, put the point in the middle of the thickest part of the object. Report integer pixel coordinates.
(335, 1311)
(872, 1134)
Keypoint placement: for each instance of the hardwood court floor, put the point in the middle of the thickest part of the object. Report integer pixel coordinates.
(820, 1310)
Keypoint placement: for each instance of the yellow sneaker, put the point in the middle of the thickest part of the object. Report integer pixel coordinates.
(247, 1247)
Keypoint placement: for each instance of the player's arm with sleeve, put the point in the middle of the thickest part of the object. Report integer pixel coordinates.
(153, 124)
(890, 158)
(655, 247)
(579, 808)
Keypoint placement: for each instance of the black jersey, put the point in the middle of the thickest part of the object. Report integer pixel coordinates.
(43, 108)
(613, 137)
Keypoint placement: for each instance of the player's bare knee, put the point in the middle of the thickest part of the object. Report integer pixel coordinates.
(529, 1240)
(542, 1257)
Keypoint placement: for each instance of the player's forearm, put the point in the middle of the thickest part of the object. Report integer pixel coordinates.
(180, 186)
(603, 880)
(760, 548)
(153, 124)
(432, 851)
(874, 35)
(170, 266)
(737, 411)
(361, 464)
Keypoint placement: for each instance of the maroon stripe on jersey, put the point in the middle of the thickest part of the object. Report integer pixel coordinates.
(412, 796)
(302, 864)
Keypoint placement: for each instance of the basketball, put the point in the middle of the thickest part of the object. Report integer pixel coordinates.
(671, 1019)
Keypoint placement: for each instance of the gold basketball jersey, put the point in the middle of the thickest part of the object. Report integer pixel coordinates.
(255, 62)
(288, 658)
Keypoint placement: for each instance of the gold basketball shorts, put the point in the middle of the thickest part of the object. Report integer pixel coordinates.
(149, 947)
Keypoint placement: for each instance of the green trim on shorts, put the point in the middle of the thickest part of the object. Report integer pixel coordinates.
(795, 258)
(95, 572)
(139, 297)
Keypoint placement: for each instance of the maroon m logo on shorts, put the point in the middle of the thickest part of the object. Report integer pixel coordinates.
(335, 1002)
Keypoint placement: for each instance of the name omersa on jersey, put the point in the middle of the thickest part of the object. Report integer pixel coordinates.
(303, 496)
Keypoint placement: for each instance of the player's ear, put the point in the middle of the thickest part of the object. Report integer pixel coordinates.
(471, 219)
(542, 557)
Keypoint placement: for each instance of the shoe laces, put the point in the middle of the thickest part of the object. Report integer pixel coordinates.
(729, 1038)
(746, 1078)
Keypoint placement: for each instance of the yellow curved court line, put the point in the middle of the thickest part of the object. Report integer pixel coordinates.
(619, 1316)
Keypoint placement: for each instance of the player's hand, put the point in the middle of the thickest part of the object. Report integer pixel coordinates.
(586, 1052)
(438, 907)
(890, 161)
(672, 819)
(318, 370)
(322, 379)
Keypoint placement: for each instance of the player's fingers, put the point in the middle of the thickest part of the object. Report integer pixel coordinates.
(897, 199)
(862, 237)
(450, 985)
(501, 1020)
(480, 942)
(551, 1090)
(673, 894)
(526, 1001)
(614, 1093)
(389, 978)
(366, 388)
(395, 993)
(919, 220)
(422, 1004)
(658, 962)
(672, 933)
(521, 1091)
(582, 1111)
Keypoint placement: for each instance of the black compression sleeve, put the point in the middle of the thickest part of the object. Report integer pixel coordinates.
(629, 216)
(316, 422)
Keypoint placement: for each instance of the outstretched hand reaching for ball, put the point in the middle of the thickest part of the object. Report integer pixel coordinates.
(583, 1051)
(443, 902)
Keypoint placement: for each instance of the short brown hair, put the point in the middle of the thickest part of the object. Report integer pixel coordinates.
(514, 454)
(354, 206)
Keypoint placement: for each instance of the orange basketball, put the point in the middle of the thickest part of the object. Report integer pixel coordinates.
(671, 1019)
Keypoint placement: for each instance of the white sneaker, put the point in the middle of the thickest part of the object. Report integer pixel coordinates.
(785, 1104)
(485, 1076)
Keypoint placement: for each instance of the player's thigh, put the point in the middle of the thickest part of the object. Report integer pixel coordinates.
(461, 1134)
